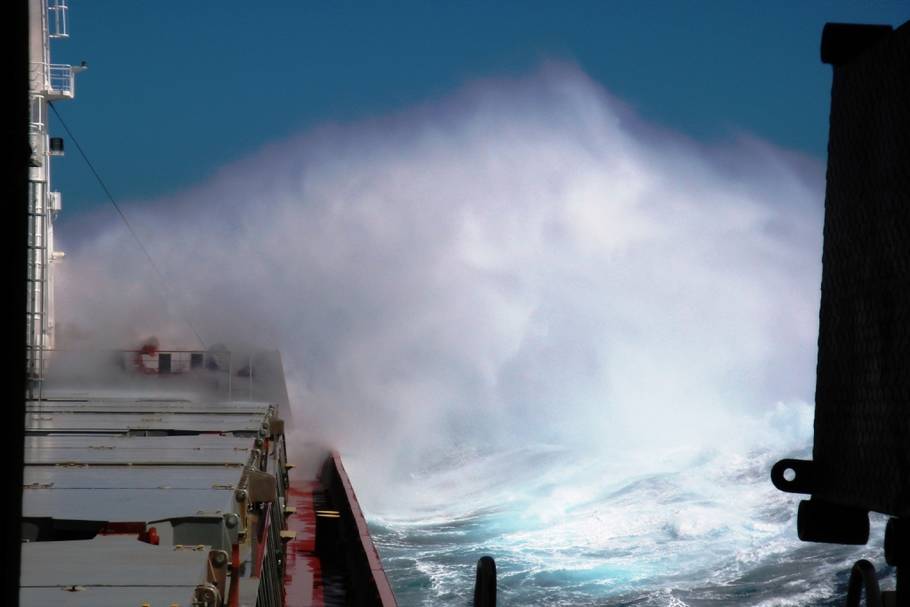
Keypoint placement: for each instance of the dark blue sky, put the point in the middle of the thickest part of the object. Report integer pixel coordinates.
(177, 89)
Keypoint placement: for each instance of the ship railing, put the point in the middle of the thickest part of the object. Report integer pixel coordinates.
(58, 19)
(271, 558)
(61, 80)
(55, 80)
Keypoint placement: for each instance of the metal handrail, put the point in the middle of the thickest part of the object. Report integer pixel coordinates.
(61, 79)
(57, 26)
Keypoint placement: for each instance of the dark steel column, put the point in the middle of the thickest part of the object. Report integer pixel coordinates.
(15, 225)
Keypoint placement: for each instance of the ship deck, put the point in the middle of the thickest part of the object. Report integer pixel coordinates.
(155, 492)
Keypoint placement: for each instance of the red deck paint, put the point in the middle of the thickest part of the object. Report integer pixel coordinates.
(234, 590)
(301, 557)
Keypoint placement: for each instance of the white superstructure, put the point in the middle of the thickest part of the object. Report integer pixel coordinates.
(48, 82)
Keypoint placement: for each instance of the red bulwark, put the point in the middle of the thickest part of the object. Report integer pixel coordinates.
(302, 572)
(384, 596)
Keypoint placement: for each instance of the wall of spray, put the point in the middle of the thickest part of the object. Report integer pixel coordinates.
(526, 261)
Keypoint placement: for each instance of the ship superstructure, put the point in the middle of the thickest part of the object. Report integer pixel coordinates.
(48, 82)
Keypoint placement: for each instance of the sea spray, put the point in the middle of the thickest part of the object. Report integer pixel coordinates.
(524, 291)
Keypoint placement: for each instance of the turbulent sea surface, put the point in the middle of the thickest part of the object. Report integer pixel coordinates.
(536, 326)
(698, 527)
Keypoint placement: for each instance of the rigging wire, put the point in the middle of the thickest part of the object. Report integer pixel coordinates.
(126, 222)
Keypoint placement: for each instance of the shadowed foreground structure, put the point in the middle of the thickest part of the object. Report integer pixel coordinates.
(861, 452)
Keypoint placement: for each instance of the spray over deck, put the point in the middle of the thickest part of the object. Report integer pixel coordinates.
(158, 476)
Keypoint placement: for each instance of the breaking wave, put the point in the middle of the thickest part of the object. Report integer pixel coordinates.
(535, 325)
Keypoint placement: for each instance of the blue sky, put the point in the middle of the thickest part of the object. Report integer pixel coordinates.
(177, 90)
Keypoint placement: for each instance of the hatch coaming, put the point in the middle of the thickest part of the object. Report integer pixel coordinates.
(178, 469)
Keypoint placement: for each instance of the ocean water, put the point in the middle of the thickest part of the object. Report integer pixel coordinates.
(692, 527)
(536, 326)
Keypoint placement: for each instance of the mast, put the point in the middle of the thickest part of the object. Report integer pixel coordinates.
(48, 82)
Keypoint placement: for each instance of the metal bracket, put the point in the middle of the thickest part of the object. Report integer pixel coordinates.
(255, 461)
(216, 574)
(261, 486)
(232, 525)
(819, 520)
(209, 530)
(241, 497)
(206, 595)
(276, 427)
(795, 476)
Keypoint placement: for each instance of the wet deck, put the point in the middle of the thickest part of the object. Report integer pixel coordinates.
(149, 491)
